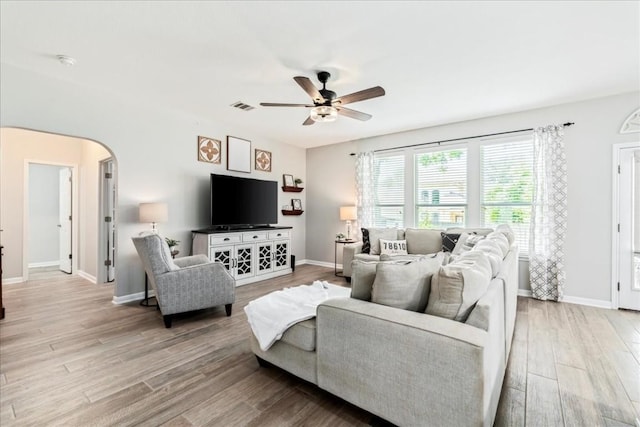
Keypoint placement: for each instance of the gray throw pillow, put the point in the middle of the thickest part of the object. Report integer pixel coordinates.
(423, 241)
(362, 275)
(456, 287)
(405, 286)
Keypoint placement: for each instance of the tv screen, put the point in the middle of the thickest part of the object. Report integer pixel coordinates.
(240, 202)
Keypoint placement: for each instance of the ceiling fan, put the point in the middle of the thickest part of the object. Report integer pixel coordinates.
(326, 106)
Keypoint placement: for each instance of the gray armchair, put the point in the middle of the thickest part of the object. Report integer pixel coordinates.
(184, 284)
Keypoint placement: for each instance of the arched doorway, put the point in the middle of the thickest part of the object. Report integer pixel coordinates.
(20, 148)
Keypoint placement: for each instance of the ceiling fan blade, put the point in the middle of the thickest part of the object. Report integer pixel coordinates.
(310, 88)
(358, 115)
(308, 122)
(276, 104)
(372, 92)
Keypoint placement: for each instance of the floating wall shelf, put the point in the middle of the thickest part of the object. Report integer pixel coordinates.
(293, 212)
(292, 189)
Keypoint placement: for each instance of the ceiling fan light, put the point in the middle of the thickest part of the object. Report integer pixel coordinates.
(324, 113)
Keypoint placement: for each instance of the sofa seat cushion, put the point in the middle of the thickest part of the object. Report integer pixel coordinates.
(423, 241)
(456, 287)
(366, 257)
(302, 335)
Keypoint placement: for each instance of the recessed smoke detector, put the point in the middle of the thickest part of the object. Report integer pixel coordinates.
(66, 60)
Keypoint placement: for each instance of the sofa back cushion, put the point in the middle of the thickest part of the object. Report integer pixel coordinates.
(372, 236)
(405, 285)
(456, 287)
(493, 252)
(423, 241)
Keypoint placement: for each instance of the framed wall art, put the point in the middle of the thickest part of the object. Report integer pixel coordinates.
(238, 154)
(288, 180)
(209, 150)
(263, 160)
(297, 204)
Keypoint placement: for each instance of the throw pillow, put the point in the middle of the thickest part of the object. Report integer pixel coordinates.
(449, 241)
(366, 245)
(363, 274)
(423, 241)
(405, 286)
(501, 240)
(508, 232)
(456, 287)
(375, 234)
(393, 247)
(466, 242)
(492, 250)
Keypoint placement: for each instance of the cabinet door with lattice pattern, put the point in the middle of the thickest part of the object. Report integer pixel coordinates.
(224, 255)
(244, 261)
(264, 261)
(280, 255)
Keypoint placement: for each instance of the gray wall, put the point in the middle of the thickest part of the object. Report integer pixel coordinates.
(156, 155)
(589, 158)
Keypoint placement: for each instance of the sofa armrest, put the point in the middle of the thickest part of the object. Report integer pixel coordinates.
(348, 253)
(409, 368)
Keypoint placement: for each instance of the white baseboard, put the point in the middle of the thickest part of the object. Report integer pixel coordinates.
(321, 263)
(43, 264)
(87, 276)
(573, 300)
(12, 280)
(131, 297)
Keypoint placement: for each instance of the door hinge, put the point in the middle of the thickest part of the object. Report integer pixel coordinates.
(70, 256)
(107, 219)
(108, 175)
(107, 262)
(618, 228)
(69, 217)
(618, 286)
(618, 169)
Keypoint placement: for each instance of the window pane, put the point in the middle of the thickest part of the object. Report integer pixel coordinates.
(441, 178)
(389, 191)
(440, 217)
(507, 187)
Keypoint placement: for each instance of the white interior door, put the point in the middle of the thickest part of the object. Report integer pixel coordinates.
(64, 226)
(629, 234)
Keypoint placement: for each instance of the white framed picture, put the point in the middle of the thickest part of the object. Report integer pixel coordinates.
(238, 154)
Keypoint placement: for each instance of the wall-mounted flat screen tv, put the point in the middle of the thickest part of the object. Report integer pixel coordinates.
(243, 202)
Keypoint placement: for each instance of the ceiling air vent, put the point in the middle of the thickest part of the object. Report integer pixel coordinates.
(242, 106)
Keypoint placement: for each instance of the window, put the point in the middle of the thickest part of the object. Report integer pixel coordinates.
(389, 191)
(441, 188)
(507, 187)
(472, 184)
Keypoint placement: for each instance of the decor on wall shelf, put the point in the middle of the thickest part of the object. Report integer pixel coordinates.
(297, 204)
(209, 150)
(263, 160)
(153, 213)
(238, 154)
(298, 182)
(290, 184)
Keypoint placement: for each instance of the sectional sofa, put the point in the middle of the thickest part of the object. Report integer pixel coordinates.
(433, 357)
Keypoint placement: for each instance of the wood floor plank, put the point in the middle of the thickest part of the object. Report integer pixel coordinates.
(543, 405)
(72, 358)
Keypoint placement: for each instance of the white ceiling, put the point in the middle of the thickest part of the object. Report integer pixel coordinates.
(439, 62)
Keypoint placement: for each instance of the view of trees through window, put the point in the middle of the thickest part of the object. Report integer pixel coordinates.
(441, 184)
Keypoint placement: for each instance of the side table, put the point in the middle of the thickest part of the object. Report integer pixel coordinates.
(145, 301)
(335, 254)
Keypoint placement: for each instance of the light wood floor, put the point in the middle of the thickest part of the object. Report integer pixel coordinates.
(68, 356)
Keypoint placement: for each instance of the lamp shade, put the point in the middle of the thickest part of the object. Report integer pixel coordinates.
(348, 213)
(153, 212)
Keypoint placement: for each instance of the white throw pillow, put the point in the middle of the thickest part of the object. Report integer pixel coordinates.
(493, 252)
(405, 286)
(456, 287)
(501, 240)
(393, 247)
(508, 232)
(375, 234)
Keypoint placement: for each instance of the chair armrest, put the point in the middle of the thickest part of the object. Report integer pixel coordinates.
(195, 287)
(188, 261)
(348, 253)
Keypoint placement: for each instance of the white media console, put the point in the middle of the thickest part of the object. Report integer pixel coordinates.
(249, 255)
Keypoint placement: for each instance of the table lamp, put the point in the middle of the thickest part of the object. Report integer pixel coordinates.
(153, 213)
(348, 213)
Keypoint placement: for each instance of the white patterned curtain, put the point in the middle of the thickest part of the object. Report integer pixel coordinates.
(365, 188)
(548, 214)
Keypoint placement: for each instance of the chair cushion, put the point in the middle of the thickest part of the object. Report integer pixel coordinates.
(405, 285)
(423, 241)
(456, 287)
(302, 335)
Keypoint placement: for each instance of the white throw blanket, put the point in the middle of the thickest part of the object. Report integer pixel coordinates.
(271, 315)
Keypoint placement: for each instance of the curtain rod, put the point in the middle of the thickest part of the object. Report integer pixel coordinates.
(460, 139)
